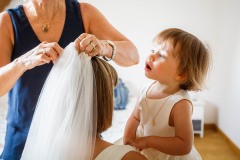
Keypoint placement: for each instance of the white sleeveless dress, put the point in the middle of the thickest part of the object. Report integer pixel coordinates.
(147, 108)
(114, 152)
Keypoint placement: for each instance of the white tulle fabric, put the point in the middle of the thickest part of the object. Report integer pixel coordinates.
(64, 122)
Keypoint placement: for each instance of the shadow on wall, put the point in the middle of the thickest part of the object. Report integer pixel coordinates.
(210, 113)
(3, 4)
(210, 109)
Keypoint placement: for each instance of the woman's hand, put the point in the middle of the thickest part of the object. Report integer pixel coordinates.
(42, 54)
(89, 44)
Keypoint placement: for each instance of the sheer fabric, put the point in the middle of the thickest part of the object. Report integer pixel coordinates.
(64, 122)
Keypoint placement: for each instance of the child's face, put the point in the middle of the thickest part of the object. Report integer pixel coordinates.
(161, 65)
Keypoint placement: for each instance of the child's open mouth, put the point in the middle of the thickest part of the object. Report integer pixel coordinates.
(147, 67)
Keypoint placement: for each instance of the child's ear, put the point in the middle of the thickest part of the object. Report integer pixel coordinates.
(181, 77)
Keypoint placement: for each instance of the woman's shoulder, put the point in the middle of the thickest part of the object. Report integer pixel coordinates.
(90, 15)
(89, 10)
(4, 16)
(117, 152)
(5, 24)
(87, 7)
(134, 155)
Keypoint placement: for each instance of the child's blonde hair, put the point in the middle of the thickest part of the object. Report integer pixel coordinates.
(193, 56)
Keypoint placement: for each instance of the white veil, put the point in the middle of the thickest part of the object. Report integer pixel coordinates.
(65, 121)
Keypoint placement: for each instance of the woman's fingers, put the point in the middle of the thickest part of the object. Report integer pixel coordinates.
(43, 53)
(93, 52)
(43, 59)
(89, 44)
(57, 48)
(52, 50)
(77, 44)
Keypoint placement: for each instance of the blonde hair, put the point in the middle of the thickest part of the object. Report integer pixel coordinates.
(105, 78)
(193, 56)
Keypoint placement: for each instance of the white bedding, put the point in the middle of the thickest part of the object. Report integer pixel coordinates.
(120, 118)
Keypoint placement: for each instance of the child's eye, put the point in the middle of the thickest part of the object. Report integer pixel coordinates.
(152, 51)
(160, 54)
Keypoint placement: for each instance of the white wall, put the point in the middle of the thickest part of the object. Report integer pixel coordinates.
(227, 88)
(214, 22)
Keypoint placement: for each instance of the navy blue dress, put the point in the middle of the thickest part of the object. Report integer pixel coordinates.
(24, 95)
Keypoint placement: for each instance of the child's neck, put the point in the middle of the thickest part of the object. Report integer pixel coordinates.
(162, 90)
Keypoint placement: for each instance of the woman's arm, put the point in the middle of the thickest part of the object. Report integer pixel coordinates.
(95, 23)
(11, 72)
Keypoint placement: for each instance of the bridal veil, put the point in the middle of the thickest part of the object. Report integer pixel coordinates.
(65, 120)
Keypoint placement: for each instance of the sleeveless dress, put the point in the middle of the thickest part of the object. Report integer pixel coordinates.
(114, 152)
(147, 108)
(23, 96)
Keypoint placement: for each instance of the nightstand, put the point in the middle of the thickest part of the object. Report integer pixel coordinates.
(198, 117)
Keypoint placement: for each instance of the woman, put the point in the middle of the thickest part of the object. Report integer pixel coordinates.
(32, 36)
(68, 126)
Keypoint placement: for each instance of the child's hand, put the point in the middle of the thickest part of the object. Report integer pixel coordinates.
(128, 141)
(140, 143)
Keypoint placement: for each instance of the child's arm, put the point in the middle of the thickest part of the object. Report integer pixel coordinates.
(181, 143)
(131, 126)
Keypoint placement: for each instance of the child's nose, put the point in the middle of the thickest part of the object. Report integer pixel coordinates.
(151, 58)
